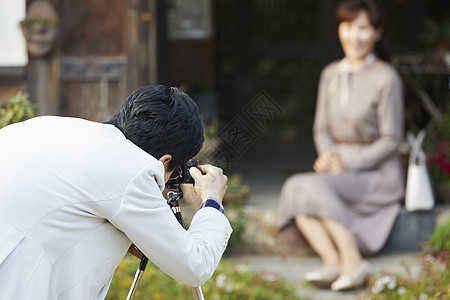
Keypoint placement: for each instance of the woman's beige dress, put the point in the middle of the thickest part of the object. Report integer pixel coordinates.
(365, 131)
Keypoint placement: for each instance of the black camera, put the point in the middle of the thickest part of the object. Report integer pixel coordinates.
(182, 174)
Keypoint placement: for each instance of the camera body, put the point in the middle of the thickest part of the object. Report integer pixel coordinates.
(182, 174)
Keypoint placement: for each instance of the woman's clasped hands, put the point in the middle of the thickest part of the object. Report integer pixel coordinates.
(329, 162)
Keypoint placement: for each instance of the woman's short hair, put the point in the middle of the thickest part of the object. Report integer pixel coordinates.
(348, 10)
(161, 120)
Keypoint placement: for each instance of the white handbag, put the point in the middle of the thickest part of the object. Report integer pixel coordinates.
(419, 195)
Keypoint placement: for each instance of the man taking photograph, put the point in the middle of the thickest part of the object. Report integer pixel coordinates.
(75, 194)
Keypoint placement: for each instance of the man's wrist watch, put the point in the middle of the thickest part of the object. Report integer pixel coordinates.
(212, 202)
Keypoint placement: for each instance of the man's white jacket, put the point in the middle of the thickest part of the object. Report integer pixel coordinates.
(73, 195)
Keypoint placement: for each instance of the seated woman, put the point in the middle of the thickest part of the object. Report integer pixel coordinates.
(347, 207)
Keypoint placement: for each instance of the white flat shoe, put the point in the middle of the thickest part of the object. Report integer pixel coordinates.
(356, 279)
(323, 278)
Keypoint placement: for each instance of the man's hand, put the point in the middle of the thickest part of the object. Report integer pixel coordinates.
(209, 182)
(329, 162)
(190, 196)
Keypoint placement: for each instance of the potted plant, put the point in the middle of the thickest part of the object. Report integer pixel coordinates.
(436, 36)
(439, 161)
(237, 192)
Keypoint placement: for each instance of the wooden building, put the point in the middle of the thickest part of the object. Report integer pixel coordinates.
(223, 52)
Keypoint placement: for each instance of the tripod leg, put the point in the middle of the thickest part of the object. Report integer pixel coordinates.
(197, 293)
(137, 277)
(133, 289)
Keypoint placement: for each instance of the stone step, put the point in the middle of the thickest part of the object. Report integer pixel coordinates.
(409, 230)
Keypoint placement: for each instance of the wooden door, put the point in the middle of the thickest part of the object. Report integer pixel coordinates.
(108, 49)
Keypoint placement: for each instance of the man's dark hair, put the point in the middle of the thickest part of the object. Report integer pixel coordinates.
(161, 120)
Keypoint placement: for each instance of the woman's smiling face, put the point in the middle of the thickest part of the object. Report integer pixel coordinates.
(358, 37)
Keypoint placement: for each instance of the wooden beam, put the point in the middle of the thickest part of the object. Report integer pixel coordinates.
(142, 43)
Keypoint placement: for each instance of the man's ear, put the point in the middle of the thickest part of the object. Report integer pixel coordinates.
(165, 159)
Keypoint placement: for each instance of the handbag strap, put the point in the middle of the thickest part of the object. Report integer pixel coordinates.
(417, 155)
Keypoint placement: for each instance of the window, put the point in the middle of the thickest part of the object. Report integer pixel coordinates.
(12, 47)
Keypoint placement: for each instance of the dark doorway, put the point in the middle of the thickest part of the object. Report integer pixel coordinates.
(280, 47)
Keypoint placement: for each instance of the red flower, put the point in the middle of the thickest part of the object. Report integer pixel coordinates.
(441, 158)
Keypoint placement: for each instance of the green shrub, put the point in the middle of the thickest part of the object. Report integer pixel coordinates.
(440, 239)
(433, 281)
(238, 191)
(19, 109)
(229, 282)
(238, 220)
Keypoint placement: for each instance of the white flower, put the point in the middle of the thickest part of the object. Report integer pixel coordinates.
(270, 276)
(377, 287)
(423, 297)
(401, 291)
(392, 283)
(386, 281)
(389, 281)
(229, 288)
(429, 258)
(220, 280)
(242, 268)
(383, 280)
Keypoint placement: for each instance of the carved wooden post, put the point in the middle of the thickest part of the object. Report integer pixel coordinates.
(40, 31)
